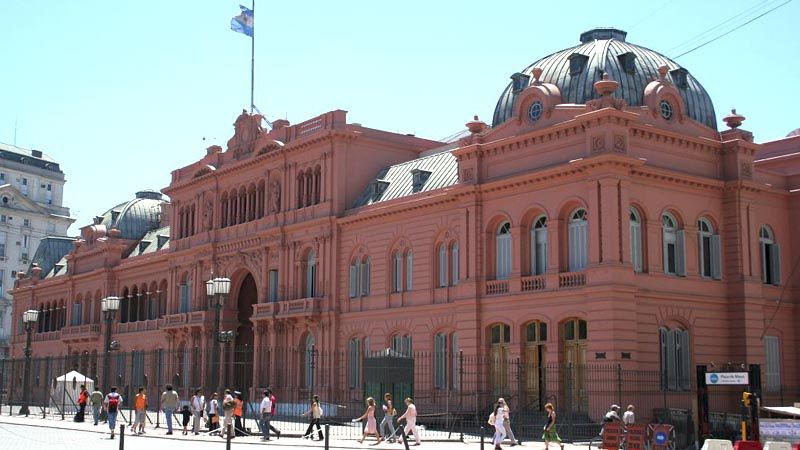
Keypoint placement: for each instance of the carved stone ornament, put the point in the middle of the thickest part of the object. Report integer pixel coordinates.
(468, 174)
(598, 143)
(247, 129)
(275, 197)
(605, 88)
(208, 214)
(746, 170)
(619, 143)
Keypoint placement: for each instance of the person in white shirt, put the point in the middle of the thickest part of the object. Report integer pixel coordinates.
(410, 416)
(266, 416)
(628, 418)
(213, 413)
(227, 410)
(499, 428)
(198, 404)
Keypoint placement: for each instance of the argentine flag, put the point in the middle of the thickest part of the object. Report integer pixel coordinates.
(243, 23)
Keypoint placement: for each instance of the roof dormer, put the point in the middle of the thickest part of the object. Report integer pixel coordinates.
(419, 178)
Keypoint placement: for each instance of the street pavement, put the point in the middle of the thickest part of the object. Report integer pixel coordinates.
(33, 433)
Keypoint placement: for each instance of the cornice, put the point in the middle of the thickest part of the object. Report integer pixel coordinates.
(658, 135)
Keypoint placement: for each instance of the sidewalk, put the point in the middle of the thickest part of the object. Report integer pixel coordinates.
(337, 439)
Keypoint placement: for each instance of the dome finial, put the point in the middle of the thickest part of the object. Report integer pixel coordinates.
(475, 125)
(537, 73)
(606, 86)
(662, 72)
(733, 120)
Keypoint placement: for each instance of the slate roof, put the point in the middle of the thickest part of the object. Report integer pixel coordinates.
(443, 173)
(30, 157)
(136, 217)
(601, 49)
(50, 251)
(153, 241)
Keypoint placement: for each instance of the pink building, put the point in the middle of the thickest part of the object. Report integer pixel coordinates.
(601, 217)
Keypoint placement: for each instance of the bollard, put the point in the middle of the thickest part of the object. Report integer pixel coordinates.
(228, 437)
(122, 437)
(327, 433)
(405, 437)
(483, 431)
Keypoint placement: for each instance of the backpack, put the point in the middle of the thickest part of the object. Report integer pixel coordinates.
(113, 402)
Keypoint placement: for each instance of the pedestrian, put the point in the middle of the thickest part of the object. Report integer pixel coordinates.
(83, 398)
(213, 413)
(628, 418)
(227, 410)
(198, 403)
(410, 416)
(169, 404)
(387, 424)
(237, 413)
(140, 411)
(371, 427)
(507, 421)
(96, 397)
(315, 412)
(550, 434)
(186, 417)
(274, 401)
(112, 404)
(265, 411)
(499, 429)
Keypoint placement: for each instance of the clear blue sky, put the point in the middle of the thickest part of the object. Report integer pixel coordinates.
(121, 93)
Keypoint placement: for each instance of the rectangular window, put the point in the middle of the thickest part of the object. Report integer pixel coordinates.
(772, 350)
(365, 278)
(397, 269)
(577, 245)
(184, 298)
(26, 223)
(2, 283)
(440, 358)
(26, 241)
(454, 261)
(3, 237)
(2, 177)
(354, 366)
(353, 280)
(675, 370)
(76, 314)
(409, 270)
(273, 286)
(636, 246)
(24, 186)
(442, 265)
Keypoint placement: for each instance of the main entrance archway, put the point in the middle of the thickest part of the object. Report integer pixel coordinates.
(243, 344)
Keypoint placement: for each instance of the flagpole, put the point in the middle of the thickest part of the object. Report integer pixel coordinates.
(253, 58)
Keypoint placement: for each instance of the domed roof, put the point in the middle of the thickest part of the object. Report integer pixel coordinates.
(136, 217)
(575, 70)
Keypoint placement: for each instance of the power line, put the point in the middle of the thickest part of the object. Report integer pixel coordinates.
(731, 31)
(651, 14)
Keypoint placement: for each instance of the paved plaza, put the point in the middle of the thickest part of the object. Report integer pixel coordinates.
(32, 433)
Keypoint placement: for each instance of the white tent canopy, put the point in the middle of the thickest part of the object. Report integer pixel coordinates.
(66, 388)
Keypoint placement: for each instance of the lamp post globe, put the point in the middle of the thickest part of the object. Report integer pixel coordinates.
(217, 290)
(29, 318)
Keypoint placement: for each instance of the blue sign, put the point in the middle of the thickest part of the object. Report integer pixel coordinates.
(661, 438)
(714, 378)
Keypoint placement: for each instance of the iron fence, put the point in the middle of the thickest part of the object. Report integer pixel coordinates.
(454, 393)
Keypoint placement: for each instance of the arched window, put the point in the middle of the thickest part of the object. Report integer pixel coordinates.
(355, 274)
(675, 370)
(535, 350)
(539, 246)
(499, 340)
(365, 277)
(770, 257)
(455, 272)
(409, 270)
(503, 251)
(397, 272)
(442, 265)
(309, 361)
(578, 240)
(445, 360)
(401, 343)
(708, 250)
(673, 243)
(311, 275)
(635, 220)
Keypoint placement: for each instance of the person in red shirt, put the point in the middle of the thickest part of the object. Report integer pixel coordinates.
(274, 401)
(83, 399)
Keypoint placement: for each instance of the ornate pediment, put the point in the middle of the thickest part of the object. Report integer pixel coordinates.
(247, 130)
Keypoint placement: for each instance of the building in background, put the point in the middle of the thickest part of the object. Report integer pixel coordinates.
(31, 199)
(601, 219)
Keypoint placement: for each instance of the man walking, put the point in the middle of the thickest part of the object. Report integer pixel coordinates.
(198, 405)
(112, 404)
(96, 397)
(266, 416)
(83, 398)
(274, 402)
(227, 409)
(169, 403)
(410, 416)
(140, 411)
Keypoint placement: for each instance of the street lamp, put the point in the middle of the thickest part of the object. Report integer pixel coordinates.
(109, 307)
(217, 291)
(29, 318)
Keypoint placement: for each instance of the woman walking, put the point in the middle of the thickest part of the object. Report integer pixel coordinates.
(371, 428)
(550, 434)
(387, 425)
(410, 416)
(213, 413)
(316, 413)
(499, 429)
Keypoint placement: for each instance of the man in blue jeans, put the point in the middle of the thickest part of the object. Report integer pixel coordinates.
(169, 403)
(112, 404)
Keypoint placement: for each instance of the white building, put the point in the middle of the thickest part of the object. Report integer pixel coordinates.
(31, 197)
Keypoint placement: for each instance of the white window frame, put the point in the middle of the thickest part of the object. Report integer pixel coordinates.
(397, 272)
(708, 241)
(578, 240)
(539, 246)
(673, 239)
(503, 251)
(635, 219)
(401, 343)
(770, 257)
(442, 265)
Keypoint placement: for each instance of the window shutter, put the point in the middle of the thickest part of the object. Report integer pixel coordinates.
(454, 356)
(353, 350)
(684, 375)
(534, 250)
(573, 247)
(353, 283)
(773, 358)
(442, 265)
(440, 346)
(636, 247)
(409, 270)
(365, 274)
(764, 275)
(776, 264)
(680, 252)
(672, 370)
(700, 255)
(543, 249)
(716, 257)
(454, 265)
(503, 256)
(662, 334)
(577, 245)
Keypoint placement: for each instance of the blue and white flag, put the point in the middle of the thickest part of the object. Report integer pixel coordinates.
(243, 23)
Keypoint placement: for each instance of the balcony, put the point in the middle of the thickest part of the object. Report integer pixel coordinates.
(533, 283)
(140, 325)
(194, 318)
(496, 287)
(81, 333)
(302, 307)
(46, 336)
(571, 279)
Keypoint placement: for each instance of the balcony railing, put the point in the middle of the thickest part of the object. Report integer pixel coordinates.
(571, 279)
(533, 283)
(81, 332)
(495, 287)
